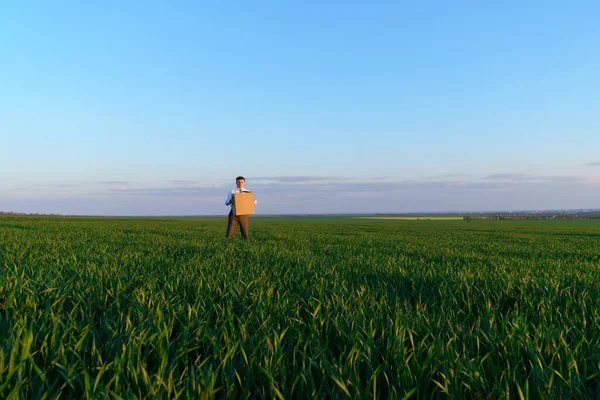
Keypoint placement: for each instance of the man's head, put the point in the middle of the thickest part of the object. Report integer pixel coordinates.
(239, 182)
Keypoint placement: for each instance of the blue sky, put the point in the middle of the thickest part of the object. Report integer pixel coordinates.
(154, 107)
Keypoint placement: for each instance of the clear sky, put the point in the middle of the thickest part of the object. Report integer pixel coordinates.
(154, 107)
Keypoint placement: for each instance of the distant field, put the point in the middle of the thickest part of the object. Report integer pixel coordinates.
(308, 307)
(424, 218)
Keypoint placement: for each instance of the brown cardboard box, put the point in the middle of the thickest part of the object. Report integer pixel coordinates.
(243, 203)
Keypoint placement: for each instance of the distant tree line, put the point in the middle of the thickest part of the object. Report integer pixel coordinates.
(2, 213)
(530, 217)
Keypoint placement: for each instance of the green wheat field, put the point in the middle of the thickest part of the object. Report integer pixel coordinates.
(307, 307)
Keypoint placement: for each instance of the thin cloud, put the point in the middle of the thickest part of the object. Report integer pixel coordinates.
(594, 164)
(447, 176)
(50, 186)
(170, 191)
(298, 179)
(531, 178)
(506, 177)
(346, 187)
(111, 183)
(303, 189)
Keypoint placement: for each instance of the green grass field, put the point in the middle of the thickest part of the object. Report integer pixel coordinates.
(166, 308)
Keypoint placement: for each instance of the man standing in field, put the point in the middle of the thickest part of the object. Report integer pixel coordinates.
(234, 220)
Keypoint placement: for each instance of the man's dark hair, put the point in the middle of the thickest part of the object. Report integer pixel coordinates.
(240, 178)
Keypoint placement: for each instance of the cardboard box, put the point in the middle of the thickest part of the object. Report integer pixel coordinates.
(243, 203)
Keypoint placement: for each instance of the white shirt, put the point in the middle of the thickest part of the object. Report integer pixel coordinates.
(228, 202)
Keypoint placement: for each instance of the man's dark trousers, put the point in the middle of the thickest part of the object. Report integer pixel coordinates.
(234, 220)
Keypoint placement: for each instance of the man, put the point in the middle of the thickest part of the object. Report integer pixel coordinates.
(234, 220)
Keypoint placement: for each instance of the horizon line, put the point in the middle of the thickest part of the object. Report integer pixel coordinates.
(413, 213)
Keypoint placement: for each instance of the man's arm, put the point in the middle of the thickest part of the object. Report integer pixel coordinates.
(229, 199)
